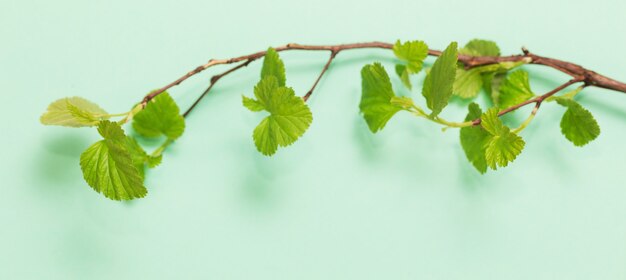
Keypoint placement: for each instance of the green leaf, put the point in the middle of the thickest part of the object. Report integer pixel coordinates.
(502, 149)
(413, 53)
(160, 117)
(252, 104)
(376, 97)
(108, 166)
(264, 89)
(473, 140)
(438, 85)
(404, 76)
(578, 124)
(73, 112)
(479, 47)
(140, 157)
(153, 162)
(515, 89)
(273, 66)
(468, 82)
(289, 118)
(491, 84)
(492, 123)
(137, 154)
(503, 146)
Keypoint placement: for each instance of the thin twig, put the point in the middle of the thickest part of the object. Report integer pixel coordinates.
(537, 100)
(330, 59)
(214, 80)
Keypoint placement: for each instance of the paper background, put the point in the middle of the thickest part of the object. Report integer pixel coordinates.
(340, 203)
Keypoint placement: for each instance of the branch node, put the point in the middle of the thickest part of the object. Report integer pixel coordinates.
(525, 51)
(307, 95)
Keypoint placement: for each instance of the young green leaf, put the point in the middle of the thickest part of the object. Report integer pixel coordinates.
(502, 149)
(515, 89)
(413, 53)
(139, 156)
(376, 97)
(479, 47)
(160, 117)
(273, 66)
(491, 84)
(289, 116)
(73, 112)
(468, 82)
(108, 166)
(154, 161)
(473, 140)
(404, 76)
(578, 124)
(263, 92)
(437, 87)
(503, 146)
(492, 123)
(252, 104)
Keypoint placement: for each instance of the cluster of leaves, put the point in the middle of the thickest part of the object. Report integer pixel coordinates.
(289, 117)
(491, 144)
(114, 166)
(488, 145)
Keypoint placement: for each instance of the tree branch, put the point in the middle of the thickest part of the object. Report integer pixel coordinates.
(579, 73)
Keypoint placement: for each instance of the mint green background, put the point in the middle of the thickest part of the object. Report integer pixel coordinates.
(341, 203)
